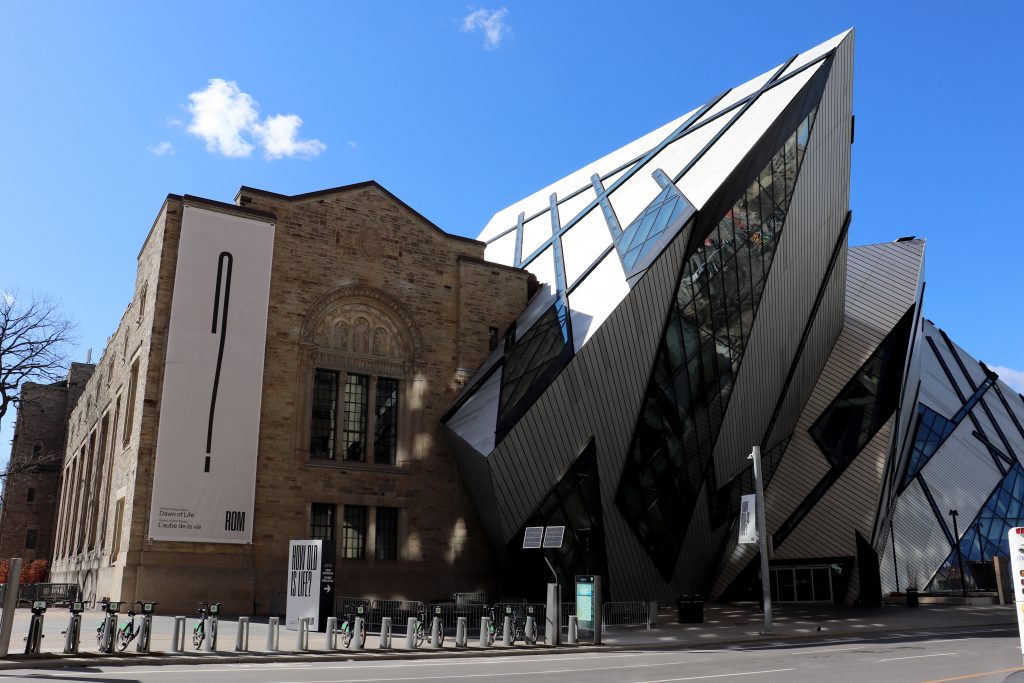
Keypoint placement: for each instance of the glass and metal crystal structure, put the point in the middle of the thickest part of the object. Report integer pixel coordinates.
(696, 297)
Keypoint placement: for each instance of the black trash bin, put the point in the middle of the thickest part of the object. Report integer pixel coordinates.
(690, 609)
(912, 600)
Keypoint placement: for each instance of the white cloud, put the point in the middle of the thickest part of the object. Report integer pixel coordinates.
(229, 121)
(1015, 378)
(221, 114)
(278, 134)
(161, 149)
(353, 144)
(173, 122)
(7, 297)
(489, 21)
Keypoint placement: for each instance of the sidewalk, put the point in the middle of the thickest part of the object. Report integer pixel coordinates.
(723, 625)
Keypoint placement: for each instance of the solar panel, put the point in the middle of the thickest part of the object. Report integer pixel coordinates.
(532, 537)
(553, 536)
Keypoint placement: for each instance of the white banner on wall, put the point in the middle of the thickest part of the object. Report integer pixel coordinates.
(204, 482)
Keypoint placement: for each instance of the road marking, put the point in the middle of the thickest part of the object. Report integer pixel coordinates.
(977, 675)
(937, 654)
(701, 678)
(453, 662)
(825, 652)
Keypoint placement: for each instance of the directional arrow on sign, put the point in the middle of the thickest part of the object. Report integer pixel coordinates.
(327, 588)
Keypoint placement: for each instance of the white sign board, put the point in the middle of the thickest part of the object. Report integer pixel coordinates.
(305, 562)
(204, 481)
(1016, 538)
(748, 526)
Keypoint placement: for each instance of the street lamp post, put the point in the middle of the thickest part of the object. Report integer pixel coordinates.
(895, 567)
(959, 557)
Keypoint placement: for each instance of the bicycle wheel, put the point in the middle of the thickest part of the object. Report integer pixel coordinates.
(346, 634)
(362, 634)
(421, 633)
(198, 634)
(124, 636)
(440, 635)
(99, 636)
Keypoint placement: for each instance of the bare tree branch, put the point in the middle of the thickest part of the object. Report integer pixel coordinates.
(34, 342)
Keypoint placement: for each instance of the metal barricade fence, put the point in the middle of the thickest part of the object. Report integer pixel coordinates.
(450, 613)
(635, 613)
(520, 610)
(52, 593)
(398, 610)
(469, 598)
(568, 610)
(345, 607)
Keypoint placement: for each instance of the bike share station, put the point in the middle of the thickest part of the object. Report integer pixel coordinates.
(585, 625)
(108, 628)
(34, 640)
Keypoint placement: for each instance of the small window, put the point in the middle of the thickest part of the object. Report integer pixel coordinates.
(321, 521)
(142, 302)
(129, 409)
(355, 417)
(31, 495)
(325, 407)
(385, 432)
(492, 338)
(387, 533)
(118, 521)
(353, 540)
(31, 536)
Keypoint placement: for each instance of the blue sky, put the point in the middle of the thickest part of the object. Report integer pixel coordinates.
(462, 109)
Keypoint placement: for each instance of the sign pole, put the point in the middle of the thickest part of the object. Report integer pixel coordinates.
(762, 541)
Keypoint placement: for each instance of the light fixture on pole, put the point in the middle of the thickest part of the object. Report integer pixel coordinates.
(959, 557)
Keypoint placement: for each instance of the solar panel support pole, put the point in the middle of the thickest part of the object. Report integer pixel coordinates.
(762, 541)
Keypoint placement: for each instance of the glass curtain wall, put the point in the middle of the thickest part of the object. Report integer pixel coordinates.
(700, 354)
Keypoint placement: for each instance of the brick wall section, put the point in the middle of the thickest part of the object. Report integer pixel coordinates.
(41, 422)
(359, 242)
(106, 465)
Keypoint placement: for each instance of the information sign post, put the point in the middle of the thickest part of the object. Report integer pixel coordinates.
(588, 608)
(310, 582)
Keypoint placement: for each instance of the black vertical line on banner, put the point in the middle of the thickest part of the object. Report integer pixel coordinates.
(223, 275)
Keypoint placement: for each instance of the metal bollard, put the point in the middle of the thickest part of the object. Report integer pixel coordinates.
(302, 636)
(331, 637)
(178, 638)
(72, 635)
(435, 633)
(273, 632)
(506, 632)
(145, 633)
(385, 633)
(359, 633)
(530, 631)
(410, 633)
(242, 637)
(460, 632)
(485, 626)
(571, 636)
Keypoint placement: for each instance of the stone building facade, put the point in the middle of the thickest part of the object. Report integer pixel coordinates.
(376, 318)
(32, 484)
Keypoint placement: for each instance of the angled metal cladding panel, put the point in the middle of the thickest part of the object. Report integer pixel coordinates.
(598, 394)
(813, 223)
(881, 285)
(960, 475)
(936, 391)
(921, 543)
(903, 440)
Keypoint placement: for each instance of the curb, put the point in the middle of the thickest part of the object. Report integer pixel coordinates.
(88, 660)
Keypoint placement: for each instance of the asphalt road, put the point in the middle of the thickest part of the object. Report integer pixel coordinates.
(981, 655)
